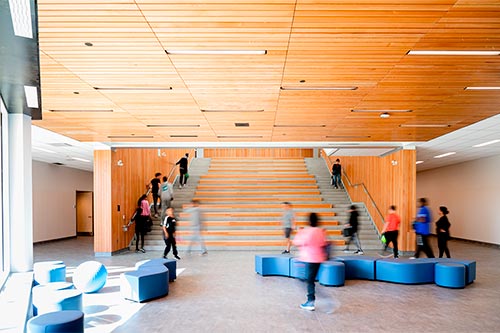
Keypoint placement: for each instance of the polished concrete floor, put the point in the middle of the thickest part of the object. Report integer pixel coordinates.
(221, 292)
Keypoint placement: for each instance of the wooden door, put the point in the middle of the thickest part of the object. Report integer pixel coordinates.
(84, 213)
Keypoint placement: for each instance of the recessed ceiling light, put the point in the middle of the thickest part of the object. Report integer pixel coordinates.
(216, 52)
(445, 154)
(220, 110)
(31, 96)
(133, 88)
(453, 53)
(419, 162)
(43, 149)
(482, 88)
(104, 110)
(88, 44)
(171, 125)
(425, 125)
(384, 115)
(305, 125)
(486, 143)
(381, 111)
(79, 159)
(20, 11)
(317, 88)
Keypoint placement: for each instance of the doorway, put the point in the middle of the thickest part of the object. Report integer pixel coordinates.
(84, 213)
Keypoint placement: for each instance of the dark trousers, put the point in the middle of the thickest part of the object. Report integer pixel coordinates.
(170, 243)
(392, 236)
(156, 198)
(424, 246)
(140, 231)
(182, 179)
(443, 244)
(311, 272)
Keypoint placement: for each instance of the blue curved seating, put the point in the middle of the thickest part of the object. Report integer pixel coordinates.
(49, 286)
(405, 271)
(272, 265)
(57, 322)
(49, 271)
(450, 275)
(331, 273)
(297, 269)
(169, 263)
(358, 267)
(47, 300)
(470, 266)
(146, 283)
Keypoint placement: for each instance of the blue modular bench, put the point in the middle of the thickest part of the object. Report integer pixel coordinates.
(331, 273)
(272, 265)
(405, 271)
(57, 322)
(146, 283)
(47, 300)
(169, 263)
(358, 267)
(450, 275)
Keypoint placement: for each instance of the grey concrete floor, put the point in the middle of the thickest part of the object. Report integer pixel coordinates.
(221, 292)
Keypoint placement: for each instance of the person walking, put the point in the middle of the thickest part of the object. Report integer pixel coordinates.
(141, 222)
(166, 195)
(443, 232)
(391, 230)
(336, 174)
(195, 217)
(288, 221)
(183, 170)
(353, 224)
(169, 226)
(422, 229)
(312, 243)
(154, 186)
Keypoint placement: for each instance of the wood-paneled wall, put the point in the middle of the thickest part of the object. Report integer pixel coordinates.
(121, 187)
(258, 152)
(390, 180)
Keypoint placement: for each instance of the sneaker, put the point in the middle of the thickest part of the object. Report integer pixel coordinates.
(346, 251)
(177, 257)
(165, 257)
(142, 250)
(204, 253)
(359, 252)
(285, 252)
(309, 305)
(137, 251)
(413, 258)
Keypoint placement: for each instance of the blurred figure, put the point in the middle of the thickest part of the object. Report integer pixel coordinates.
(166, 195)
(168, 226)
(353, 223)
(391, 230)
(288, 220)
(312, 243)
(443, 232)
(422, 229)
(195, 217)
(155, 186)
(141, 222)
(183, 170)
(336, 174)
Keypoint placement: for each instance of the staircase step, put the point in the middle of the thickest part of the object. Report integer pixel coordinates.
(239, 181)
(243, 206)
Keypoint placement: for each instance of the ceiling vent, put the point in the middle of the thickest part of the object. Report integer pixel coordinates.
(242, 124)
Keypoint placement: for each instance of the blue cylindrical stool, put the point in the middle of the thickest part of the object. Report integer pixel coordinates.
(57, 322)
(450, 275)
(49, 271)
(49, 286)
(331, 273)
(46, 300)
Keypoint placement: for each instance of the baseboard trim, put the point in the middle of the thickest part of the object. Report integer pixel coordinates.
(497, 246)
(54, 240)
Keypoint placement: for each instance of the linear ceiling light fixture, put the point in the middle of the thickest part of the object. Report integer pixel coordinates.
(20, 11)
(445, 154)
(239, 136)
(318, 88)
(133, 88)
(216, 52)
(130, 136)
(425, 125)
(31, 96)
(69, 110)
(183, 136)
(79, 159)
(172, 125)
(486, 143)
(419, 162)
(222, 110)
(381, 111)
(348, 136)
(242, 124)
(44, 150)
(314, 125)
(453, 53)
(482, 88)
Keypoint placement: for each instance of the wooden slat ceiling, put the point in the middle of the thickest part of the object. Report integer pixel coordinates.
(326, 43)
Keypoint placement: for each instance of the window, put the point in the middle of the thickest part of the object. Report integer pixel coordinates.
(4, 269)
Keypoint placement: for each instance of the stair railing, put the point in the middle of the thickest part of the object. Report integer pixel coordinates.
(365, 190)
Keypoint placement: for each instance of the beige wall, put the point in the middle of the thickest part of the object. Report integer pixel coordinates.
(471, 191)
(54, 199)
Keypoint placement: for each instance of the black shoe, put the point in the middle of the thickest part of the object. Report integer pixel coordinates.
(285, 252)
(165, 257)
(177, 257)
(142, 250)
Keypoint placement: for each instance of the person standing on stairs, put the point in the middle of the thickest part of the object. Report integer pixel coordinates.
(195, 217)
(141, 222)
(154, 186)
(168, 226)
(288, 221)
(183, 170)
(336, 173)
(353, 223)
(166, 195)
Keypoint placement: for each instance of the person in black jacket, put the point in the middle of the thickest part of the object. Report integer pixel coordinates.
(443, 232)
(183, 170)
(336, 173)
(353, 223)
(168, 227)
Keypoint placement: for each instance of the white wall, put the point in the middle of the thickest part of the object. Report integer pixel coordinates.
(54, 199)
(471, 191)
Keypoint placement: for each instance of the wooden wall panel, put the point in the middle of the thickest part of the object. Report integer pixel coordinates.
(102, 201)
(258, 153)
(390, 180)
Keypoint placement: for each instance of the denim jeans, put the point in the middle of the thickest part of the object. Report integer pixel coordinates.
(311, 272)
(336, 180)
